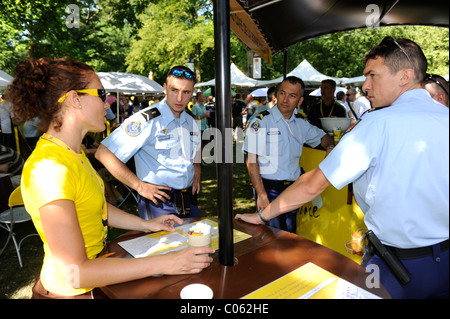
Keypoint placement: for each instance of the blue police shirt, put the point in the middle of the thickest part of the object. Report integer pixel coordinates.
(163, 147)
(279, 142)
(398, 160)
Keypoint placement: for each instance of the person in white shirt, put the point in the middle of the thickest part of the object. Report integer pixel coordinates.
(397, 157)
(357, 106)
(437, 86)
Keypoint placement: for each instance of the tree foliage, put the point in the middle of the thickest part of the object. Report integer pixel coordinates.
(341, 54)
(140, 36)
(173, 32)
(102, 37)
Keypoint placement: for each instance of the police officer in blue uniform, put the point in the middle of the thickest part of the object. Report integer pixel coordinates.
(397, 157)
(274, 143)
(165, 143)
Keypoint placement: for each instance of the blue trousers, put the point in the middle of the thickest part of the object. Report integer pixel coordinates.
(161, 209)
(429, 276)
(287, 222)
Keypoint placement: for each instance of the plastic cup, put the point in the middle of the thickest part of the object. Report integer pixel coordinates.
(199, 241)
(196, 291)
(337, 135)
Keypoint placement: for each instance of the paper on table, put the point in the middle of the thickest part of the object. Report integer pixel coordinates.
(164, 242)
(145, 246)
(310, 282)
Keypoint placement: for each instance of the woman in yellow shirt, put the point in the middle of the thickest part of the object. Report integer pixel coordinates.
(65, 195)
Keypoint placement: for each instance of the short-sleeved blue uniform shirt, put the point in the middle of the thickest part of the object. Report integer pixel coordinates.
(279, 142)
(163, 146)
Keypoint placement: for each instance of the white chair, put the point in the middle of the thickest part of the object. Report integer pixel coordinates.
(14, 215)
(131, 192)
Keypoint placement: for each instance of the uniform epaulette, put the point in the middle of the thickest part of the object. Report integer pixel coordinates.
(151, 114)
(189, 112)
(262, 114)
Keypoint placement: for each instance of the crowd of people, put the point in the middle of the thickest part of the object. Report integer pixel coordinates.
(400, 175)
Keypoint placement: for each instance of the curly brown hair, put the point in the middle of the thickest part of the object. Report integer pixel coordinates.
(39, 84)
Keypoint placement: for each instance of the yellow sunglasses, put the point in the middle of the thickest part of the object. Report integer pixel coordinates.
(101, 93)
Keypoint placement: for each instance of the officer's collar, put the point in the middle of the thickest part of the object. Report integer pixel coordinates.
(167, 113)
(278, 116)
(414, 93)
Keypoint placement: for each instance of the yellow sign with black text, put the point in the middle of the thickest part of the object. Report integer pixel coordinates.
(334, 219)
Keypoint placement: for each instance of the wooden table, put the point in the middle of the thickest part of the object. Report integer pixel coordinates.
(268, 255)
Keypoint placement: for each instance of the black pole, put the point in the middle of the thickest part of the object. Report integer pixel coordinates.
(285, 60)
(223, 118)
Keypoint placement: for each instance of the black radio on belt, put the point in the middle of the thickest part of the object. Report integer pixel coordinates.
(376, 247)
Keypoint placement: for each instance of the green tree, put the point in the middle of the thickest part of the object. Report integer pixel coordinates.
(173, 31)
(45, 28)
(341, 54)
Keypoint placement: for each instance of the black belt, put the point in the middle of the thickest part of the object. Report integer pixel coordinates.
(182, 199)
(276, 185)
(413, 253)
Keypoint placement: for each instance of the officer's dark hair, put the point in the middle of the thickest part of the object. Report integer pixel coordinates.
(295, 80)
(331, 82)
(400, 54)
(340, 95)
(272, 91)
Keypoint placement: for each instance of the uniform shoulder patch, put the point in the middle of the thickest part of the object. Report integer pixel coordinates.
(151, 114)
(262, 114)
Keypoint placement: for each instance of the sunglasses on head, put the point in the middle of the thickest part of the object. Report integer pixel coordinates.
(431, 77)
(101, 93)
(389, 42)
(182, 73)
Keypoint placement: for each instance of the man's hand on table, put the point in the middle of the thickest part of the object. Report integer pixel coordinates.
(249, 218)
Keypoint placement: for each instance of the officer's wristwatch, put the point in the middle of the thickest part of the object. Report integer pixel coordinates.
(265, 221)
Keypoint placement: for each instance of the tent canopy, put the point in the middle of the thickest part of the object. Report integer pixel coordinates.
(5, 79)
(238, 78)
(282, 23)
(306, 72)
(128, 83)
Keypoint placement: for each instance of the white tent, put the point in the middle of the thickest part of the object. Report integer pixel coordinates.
(261, 92)
(119, 82)
(238, 78)
(318, 92)
(128, 83)
(306, 72)
(356, 81)
(5, 79)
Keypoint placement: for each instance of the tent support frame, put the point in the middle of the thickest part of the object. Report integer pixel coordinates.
(223, 116)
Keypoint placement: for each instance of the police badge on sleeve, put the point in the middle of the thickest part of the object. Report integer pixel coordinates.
(133, 128)
(255, 126)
